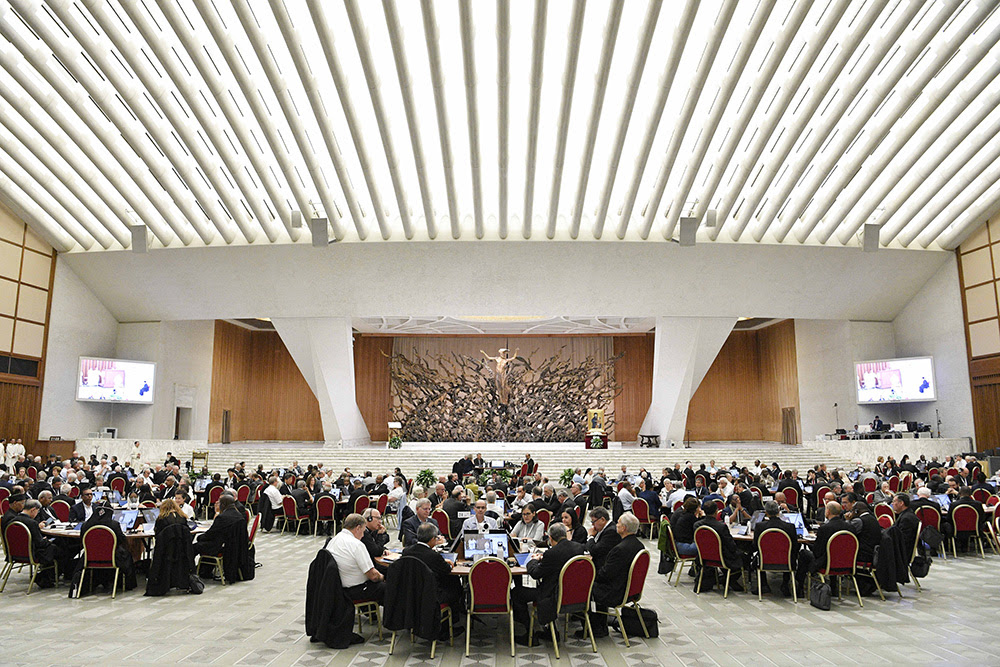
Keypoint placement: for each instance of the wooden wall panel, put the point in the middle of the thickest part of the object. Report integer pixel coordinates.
(372, 382)
(255, 377)
(20, 411)
(635, 373)
(754, 376)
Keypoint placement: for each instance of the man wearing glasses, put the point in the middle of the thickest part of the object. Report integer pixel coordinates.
(84, 509)
(479, 522)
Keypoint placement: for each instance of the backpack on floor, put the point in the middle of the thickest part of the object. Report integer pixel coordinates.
(630, 619)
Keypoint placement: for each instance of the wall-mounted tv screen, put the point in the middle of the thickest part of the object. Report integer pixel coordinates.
(115, 381)
(895, 380)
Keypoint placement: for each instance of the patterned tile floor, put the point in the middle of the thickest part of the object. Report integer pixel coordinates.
(262, 623)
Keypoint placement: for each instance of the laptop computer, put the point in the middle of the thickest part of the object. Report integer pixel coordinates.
(795, 518)
(522, 558)
(150, 515)
(126, 518)
(486, 544)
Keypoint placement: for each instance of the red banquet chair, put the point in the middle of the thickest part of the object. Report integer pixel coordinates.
(243, 495)
(99, 545)
(74, 492)
(966, 520)
(640, 508)
(4, 492)
(869, 484)
(775, 547)
(443, 522)
(870, 498)
(361, 503)
(679, 560)
(821, 494)
(884, 508)
(213, 497)
(982, 495)
(885, 521)
(292, 514)
(489, 593)
(544, 516)
(4, 505)
(930, 517)
(118, 484)
(61, 509)
(383, 502)
(951, 472)
(841, 561)
(932, 472)
(19, 552)
(633, 593)
(325, 511)
(709, 546)
(33, 472)
(992, 500)
(791, 496)
(677, 505)
(576, 579)
(894, 483)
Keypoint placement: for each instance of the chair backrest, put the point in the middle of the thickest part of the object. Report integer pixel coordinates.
(966, 519)
(252, 533)
(489, 586)
(215, 494)
(501, 495)
(791, 496)
(4, 492)
(33, 472)
(579, 514)
(753, 489)
(640, 508)
(870, 498)
(894, 483)
(243, 493)
(545, 517)
(677, 505)
(17, 543)
(883, 508)
(932, 472)
(709, 546)
(620, 486)
(637, 577)
(74, 492)
(118, 484)
(99, 544)
(821, 493)
(982, 495)
(443, 522)
(524, 470)
(4, 505)
(289, 507)
(576, 579)
(361, 504)
(992, 500)
(61, 509)
(325, 506)
(885, 520)
(259, 489)
(775, 547)
(383, 502)
(951, 472)
(870, 484)
(147, 504)
(841, 553)
(928, 517)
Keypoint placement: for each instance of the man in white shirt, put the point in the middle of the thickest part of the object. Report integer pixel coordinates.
(479, 522)
(273, 494)
(725, 488)
(397, 494)
(678, 494)
(358, 576)
(183, 505)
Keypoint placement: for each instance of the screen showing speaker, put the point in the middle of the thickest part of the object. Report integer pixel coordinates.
(895, 380)
(116, 381)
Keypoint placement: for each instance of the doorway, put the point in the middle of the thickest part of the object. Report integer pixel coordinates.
(182, 423)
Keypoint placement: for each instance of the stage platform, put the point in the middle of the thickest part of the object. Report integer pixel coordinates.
(552, 458)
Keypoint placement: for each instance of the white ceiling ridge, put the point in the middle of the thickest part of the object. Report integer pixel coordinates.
(687, 112)
(22, 204)
(503, 113)
(535, 83)
(210, 165)
(472, 111)
(193, 189)
(790, 84)
(262, 47)
(749, 106)
(843, 192)
(868, 105)
(969, 220)
(747, 43)
(799, 123)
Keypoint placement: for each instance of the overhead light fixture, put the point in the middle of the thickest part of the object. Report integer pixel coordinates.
(871, 237)
(296, 219)
(140, 238)
(320, 231)
(711, 218)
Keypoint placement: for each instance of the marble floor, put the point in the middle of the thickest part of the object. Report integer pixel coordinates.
(262, 623)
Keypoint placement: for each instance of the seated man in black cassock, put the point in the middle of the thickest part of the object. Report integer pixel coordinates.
(375, 536)
(104, 516)
(227, 536)
(772, 512)
(731, 555)
(449, 588)
(612, 579)
(43, 550)
(544, 568)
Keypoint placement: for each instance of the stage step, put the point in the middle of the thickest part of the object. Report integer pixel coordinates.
(551, 461)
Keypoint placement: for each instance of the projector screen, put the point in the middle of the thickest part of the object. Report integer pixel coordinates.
(895, 380)
(115, 381)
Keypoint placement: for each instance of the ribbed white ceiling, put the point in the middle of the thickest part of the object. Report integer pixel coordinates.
(215, 122)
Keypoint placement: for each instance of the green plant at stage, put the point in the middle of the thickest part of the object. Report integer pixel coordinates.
(487, 475)
(566, 478)
(426, 478)
(395, 442)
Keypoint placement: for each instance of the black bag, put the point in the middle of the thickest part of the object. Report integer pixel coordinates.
(819, 596)
(920, 567)
(707, 581)
(932, 537)
(630, 619)
(195, 585)
(666, 565)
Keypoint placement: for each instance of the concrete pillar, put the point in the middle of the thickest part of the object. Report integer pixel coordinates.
(323, 349)
(685, 348)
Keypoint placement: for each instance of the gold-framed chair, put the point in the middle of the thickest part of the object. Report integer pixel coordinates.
(841, 561)
(99, 546)
(489, 593)
(637, 572)
(576, 580)
(18, 552)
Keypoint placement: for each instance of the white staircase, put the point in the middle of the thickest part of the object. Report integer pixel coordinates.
(551, 459)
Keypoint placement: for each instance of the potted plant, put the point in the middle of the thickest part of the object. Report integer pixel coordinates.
(566, 478)
(395, 442)
(426, 478)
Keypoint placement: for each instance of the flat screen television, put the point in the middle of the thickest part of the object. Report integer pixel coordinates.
(115, 381)
(895, 380)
